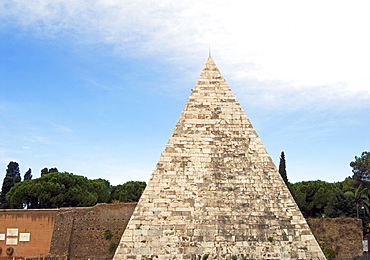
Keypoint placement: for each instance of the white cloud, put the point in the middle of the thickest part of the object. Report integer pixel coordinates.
(63, 129)
(302, 45)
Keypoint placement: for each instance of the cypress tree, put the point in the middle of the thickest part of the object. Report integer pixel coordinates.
(282, 168)
(12, 177)
(27, 175)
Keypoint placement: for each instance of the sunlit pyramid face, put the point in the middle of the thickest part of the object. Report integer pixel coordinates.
(215, 192)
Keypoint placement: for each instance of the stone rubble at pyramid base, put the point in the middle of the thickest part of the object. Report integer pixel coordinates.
(227, 251)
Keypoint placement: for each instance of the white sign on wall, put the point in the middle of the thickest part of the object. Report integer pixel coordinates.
(11, 241)
(2, 236)
(365, 245)
(24, 236)
(12, 232)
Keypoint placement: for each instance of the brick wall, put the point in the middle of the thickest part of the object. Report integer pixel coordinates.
(343, 235)
(79, 232)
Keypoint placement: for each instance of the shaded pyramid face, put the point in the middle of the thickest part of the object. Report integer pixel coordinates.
(215, 191)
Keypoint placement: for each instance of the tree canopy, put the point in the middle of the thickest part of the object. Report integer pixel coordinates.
(340, 205)
(128, 192)
(62, 189)
(46, 170)
(52, 190)
(27, 175)
(312, 196)
(12, 177)
(361, 167)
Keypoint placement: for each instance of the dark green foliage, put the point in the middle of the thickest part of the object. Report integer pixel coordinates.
(53, 170)
(103, 189)
(44, 171)
(361, 167)
(112, 247)
(328, 252)
(12, 177)
(61, 189)
(52, 190)
(128, 192)
(282, 168)
(312, 196)
(234, 257)
(27, 175)
(13, 169)
(47, 171)
(340, 205)
(360, 197)
(107, 234)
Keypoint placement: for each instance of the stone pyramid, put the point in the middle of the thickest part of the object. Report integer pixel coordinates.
(215, 192)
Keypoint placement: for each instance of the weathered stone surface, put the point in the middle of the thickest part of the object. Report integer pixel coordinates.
(79, 232)
(215, 190)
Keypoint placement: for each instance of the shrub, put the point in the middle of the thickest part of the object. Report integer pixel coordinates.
(112, 246)
(107, 234)
(328, 252)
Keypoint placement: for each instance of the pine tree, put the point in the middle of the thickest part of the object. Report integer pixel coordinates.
(47, 171)
(282, 168)
(44, 171)
(361, 167)
(12, 177)
(55, 169)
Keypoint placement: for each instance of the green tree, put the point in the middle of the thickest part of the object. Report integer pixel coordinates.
(312, 196)
(13, 169)
(52, 190)
(340, 205)
(47, 171)
(12, 177)
(361, 167)
(44, 171)
(103, 190)
(128, 192)
(282, 168)
(361, 199)
(27, 175)
(53, 170)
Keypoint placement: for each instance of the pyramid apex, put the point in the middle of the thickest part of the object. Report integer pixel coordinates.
(210, 59)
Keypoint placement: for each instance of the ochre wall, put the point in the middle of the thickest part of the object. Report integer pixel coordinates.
(40, 225)
(73, 233)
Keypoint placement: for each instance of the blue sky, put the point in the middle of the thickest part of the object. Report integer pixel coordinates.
(96, 87)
